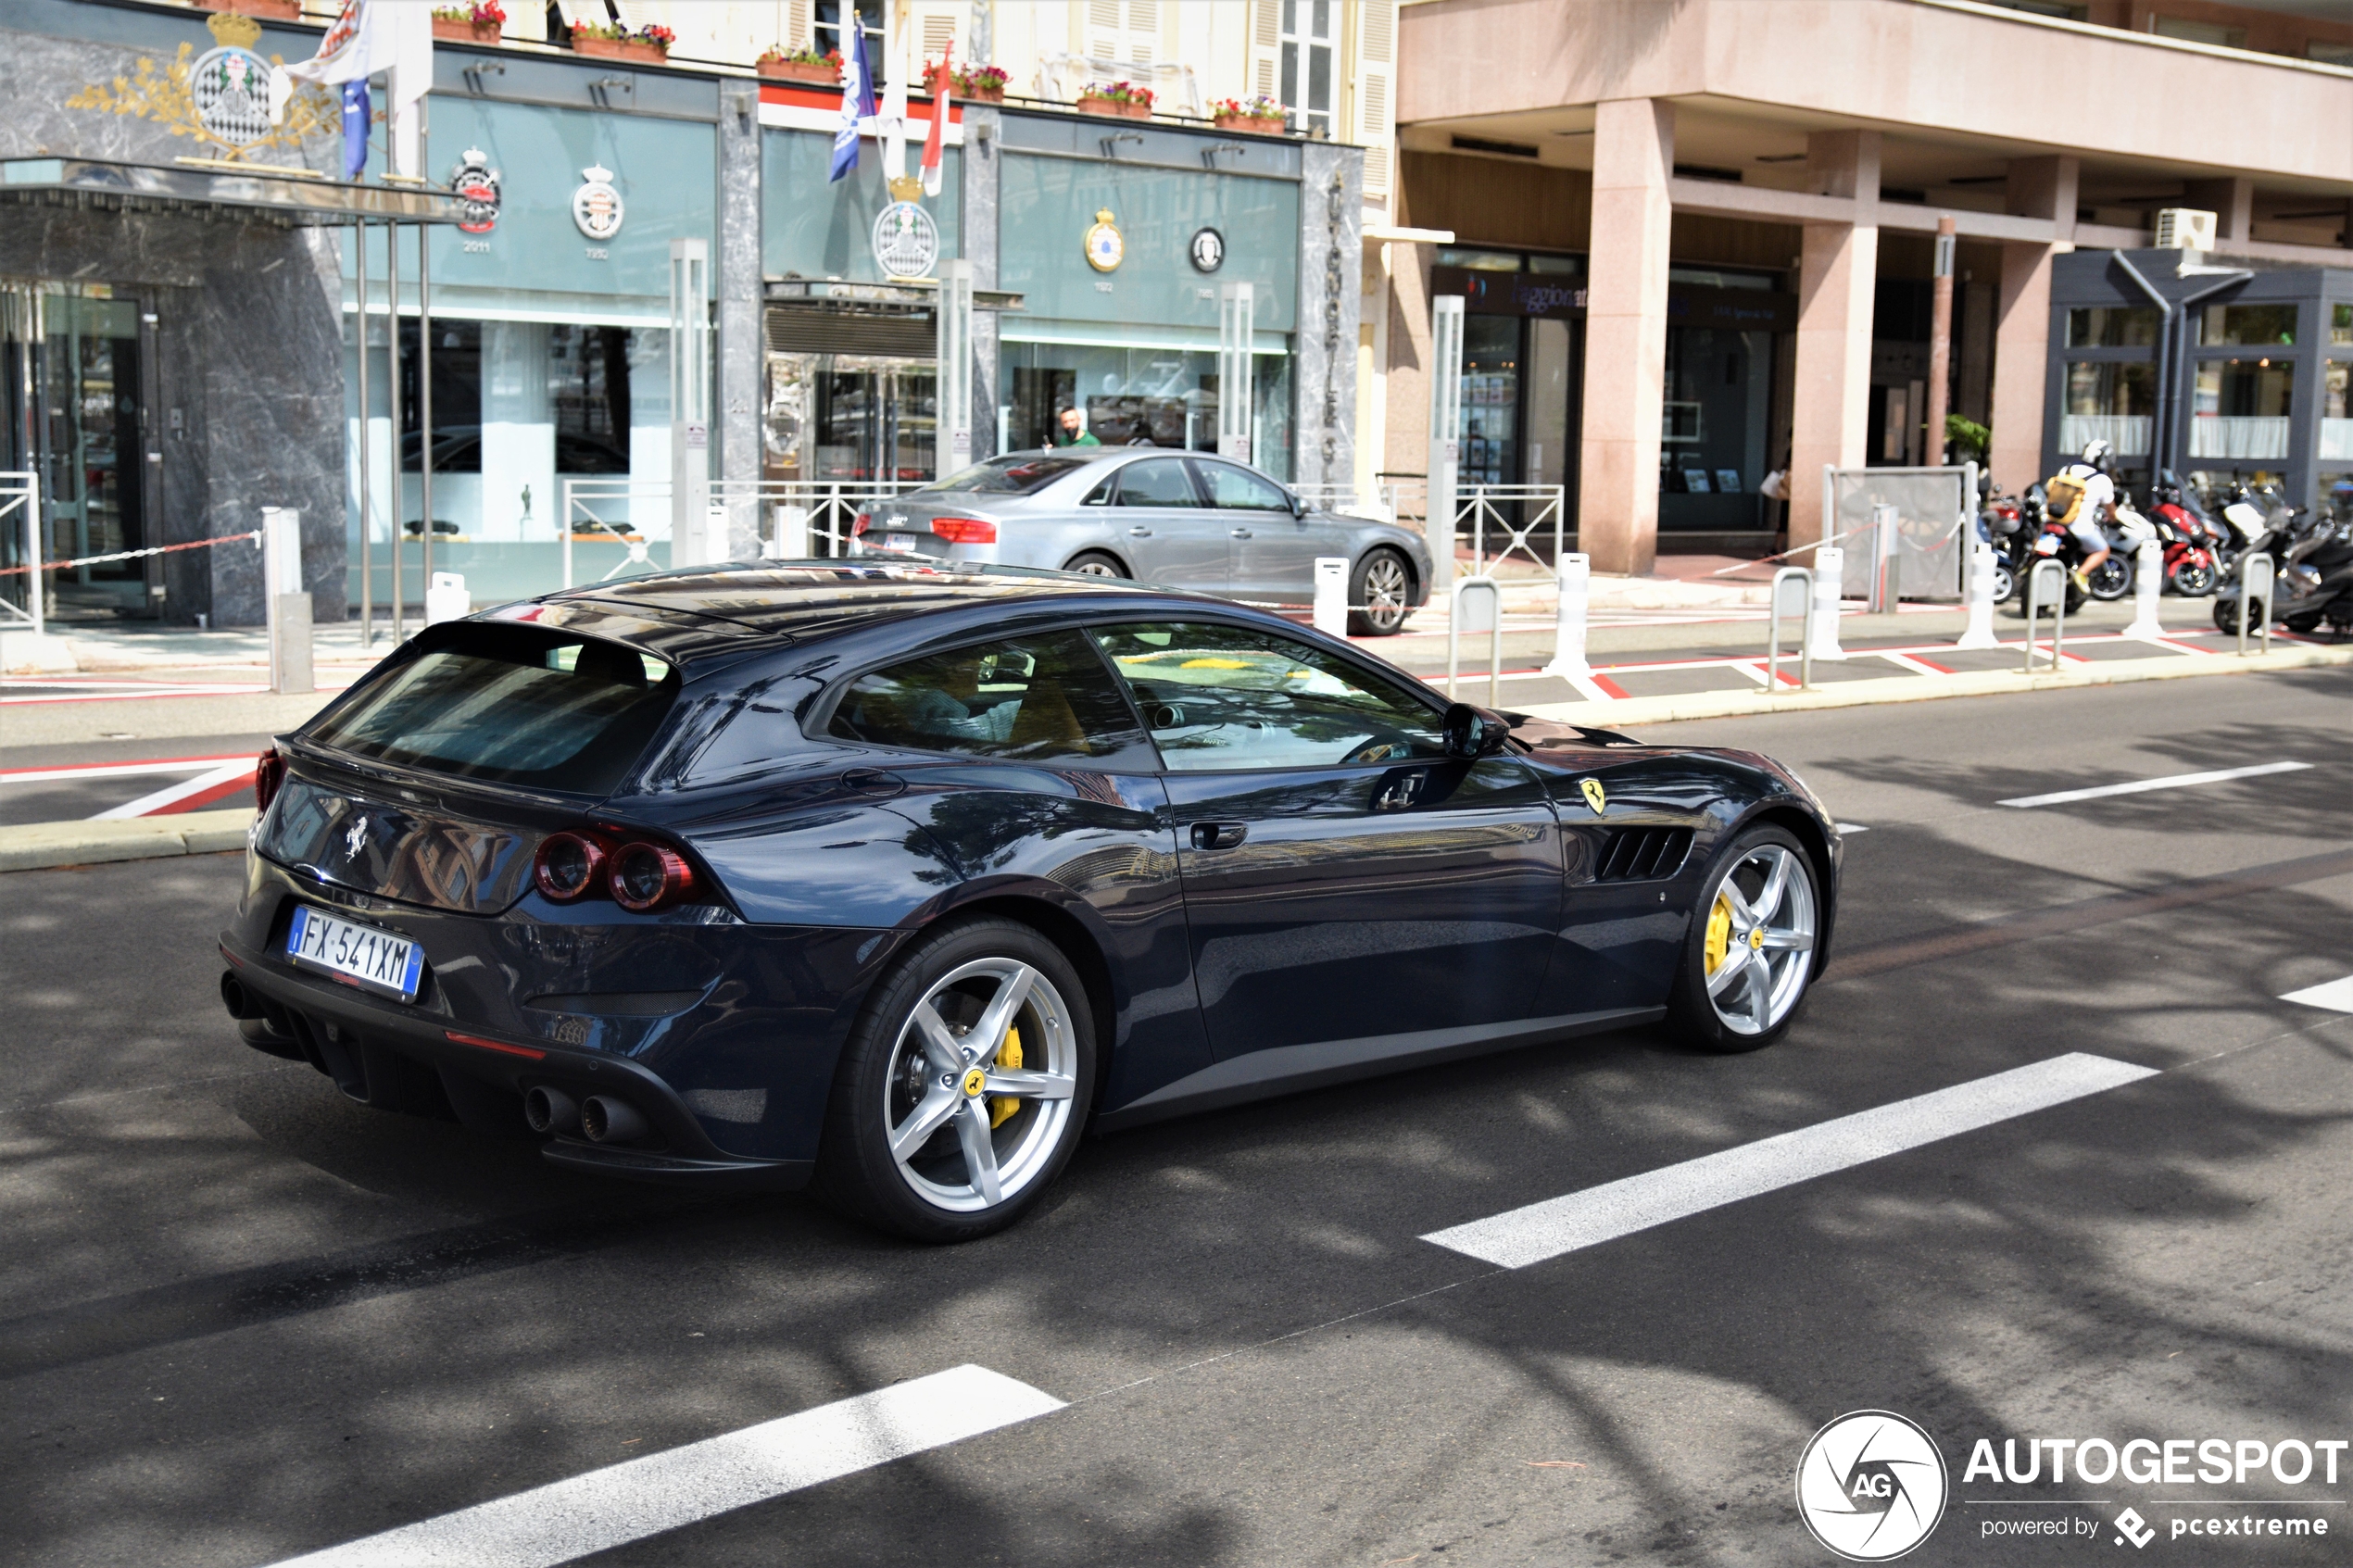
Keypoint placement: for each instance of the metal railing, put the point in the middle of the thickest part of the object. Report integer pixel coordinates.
(2057, 571)
(1804, 578)
(23, 490)
(1485, 507)
(791, 518)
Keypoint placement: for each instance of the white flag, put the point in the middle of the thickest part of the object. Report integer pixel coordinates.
(368, 37)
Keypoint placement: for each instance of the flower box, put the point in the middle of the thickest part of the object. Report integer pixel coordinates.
(1259, 125)
(459, 30)
(979, 94)
(1115, 109)
(825, 74)
(620, 50)
(273, 10)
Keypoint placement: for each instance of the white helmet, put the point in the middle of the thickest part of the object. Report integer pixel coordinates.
(2096, 453)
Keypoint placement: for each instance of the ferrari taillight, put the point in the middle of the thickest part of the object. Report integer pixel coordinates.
(269, 772)
(634, 870)
(647, 876)
(568, 865)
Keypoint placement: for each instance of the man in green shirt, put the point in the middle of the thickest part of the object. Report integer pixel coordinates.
(1074, 431)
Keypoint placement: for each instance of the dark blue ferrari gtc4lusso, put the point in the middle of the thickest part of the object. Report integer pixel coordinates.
(897, 877)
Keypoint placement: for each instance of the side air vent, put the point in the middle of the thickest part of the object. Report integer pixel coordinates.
(1642, 854)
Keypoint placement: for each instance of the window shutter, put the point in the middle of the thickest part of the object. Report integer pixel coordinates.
(1266, 48)
(1143, 30)
(797, 30)
(937, 26)
(1376, 71)
(1106, 29)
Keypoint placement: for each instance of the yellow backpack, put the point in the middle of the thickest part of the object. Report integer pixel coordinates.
(2062, 493)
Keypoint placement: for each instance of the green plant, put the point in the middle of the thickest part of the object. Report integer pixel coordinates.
(1118, 93)
(482, 13)
(986, 79)
(1973, 439)
(778, 53)
(1248, 109)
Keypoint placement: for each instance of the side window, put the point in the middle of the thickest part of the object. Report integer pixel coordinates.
(1223, 696)
(1156, 482)
(1242, 490)
(1027, 699)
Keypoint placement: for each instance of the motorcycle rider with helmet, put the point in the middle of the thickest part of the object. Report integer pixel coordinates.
(2097, 497)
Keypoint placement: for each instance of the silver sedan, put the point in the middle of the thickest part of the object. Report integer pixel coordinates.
(1184, 520)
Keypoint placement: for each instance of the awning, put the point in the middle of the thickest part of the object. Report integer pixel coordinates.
(290, 197)
(907, 294)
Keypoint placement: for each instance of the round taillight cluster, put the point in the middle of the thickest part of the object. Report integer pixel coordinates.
(636, 874)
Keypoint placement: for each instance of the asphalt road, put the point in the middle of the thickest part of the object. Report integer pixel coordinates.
(242, 1319)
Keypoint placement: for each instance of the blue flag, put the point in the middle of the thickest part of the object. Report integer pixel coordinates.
(354, 128)
(858, 105)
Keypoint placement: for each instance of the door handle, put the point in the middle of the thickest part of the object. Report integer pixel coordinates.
(1218, 835)
(1242, 533)
(1140, 532)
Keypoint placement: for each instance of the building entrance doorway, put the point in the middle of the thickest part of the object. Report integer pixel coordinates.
(78, 369)
(851, 418)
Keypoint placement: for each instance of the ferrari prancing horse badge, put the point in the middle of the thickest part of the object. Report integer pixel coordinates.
(1593, 794)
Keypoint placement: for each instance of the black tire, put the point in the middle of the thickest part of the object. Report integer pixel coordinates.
(2303, 625)
(2113, 580)
(2191, 580)
(1095, 563)
(877, 1081)
(1695, 1018)
(2226, 616)
(1383, 584)
(2005, 581)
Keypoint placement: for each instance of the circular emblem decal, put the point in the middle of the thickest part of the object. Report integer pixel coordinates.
(476, 184)
(906, 241)
(1871, 1486)
(1106, 248)
(975, 1081)
(230, 89)
(1594, 795)
(1208, 250)
(596, 206)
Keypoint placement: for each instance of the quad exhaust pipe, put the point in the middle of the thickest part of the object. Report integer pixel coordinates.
(551, 1110)
(607, 1120)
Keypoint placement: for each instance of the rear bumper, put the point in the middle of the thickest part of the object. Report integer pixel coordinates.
(383, 1054)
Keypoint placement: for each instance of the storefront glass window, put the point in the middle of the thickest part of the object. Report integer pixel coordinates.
(1491, 400)
(2241, 409)
(2108, 402)
(2341, 324)
(457, 399)
(2249, 324)
(2105, 327)
(1478, 260)
(1712, 438)
(2337, 412)
(1138, 397)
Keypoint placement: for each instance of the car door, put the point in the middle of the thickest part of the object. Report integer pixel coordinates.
(1271, 551)
(1158, 520)
(1344, 879)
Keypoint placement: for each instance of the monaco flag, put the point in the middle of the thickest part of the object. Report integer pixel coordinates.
(938, 85)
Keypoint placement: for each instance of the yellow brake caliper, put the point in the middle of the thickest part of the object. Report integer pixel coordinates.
(1008, 1058)
(1720, 934)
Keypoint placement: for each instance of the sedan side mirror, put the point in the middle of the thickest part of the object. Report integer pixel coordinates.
(1472, 733)
(1298, 503)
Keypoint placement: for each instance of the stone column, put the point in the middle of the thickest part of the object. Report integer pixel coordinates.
(2040, 187)
(1331, 292)
(1838, 271)
(978, 227)
(736, 277)
(1626, 335)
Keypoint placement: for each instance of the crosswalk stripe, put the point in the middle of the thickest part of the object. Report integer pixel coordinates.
(2139, 786)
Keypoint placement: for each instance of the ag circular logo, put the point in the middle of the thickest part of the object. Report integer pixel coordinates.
(1871, 1486)
(596, 206)
(1208, 250)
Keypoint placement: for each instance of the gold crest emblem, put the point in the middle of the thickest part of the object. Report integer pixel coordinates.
(220, 97)
(1595, 796)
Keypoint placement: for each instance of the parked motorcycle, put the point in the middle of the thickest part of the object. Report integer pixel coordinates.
(2040, 539)
(2313, 579)
(2188, 535)
(2002, 523)
(2126, 531)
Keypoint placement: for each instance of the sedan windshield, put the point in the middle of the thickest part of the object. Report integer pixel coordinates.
(1024, 474)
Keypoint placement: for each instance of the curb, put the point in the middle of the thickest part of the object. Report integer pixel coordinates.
(1929, 688)
(39, 845)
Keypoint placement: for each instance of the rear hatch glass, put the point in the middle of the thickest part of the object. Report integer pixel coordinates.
(507, 704)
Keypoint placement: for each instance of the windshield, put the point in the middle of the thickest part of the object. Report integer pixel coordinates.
(1021, 474)
(511, 705)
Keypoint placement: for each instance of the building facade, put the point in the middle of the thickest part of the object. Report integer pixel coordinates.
(1696, 241)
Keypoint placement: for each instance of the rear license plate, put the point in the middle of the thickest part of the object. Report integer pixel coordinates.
(358, 955)
(900, 544)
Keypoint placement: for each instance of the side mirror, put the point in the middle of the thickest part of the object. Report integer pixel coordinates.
(1472, 733)
(1298, 503)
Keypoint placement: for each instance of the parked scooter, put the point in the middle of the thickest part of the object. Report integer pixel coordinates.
(2189, 537)
(2048, 541)
(2313, 582)
(2126, 531)
(2002, 523)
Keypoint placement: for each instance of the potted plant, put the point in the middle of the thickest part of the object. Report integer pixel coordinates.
(780, 63)
(650, 46)
(273, 10)
(978, 84)
(1123, 100)
(480, 22)
(1262, 115)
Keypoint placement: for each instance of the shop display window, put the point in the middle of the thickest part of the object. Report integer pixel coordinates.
(2337, 411)
(2240, 408)
(2108, 401)
(1490, 401)
(588, 397)
(2108, 327)
(2340, 325)
(2251, 325)
(1712, 435)
(1137, 398)
(456, 397)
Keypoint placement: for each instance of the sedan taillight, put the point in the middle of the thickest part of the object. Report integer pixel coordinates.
(269, 772)
(965, 529)
(865, 521)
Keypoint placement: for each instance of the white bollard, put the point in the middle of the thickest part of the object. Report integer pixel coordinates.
(1980, 632)
(447, 599)
(286, 608)
(791, 541)
(1829, 565)
(1575, 597)
(1331, 595)
(2149, 580)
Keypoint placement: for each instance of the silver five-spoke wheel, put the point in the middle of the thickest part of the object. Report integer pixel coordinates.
(980, 1085)
(1760, 947)
(1383, 592)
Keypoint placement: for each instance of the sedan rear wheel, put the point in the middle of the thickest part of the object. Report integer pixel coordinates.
(1094, 563)
(1750, 957)
(1382, 590)
(964, 1086)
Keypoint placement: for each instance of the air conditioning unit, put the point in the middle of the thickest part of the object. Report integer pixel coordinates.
(2184, 228)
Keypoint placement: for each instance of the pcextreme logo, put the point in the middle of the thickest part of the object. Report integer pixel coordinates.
(1871, 1486)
